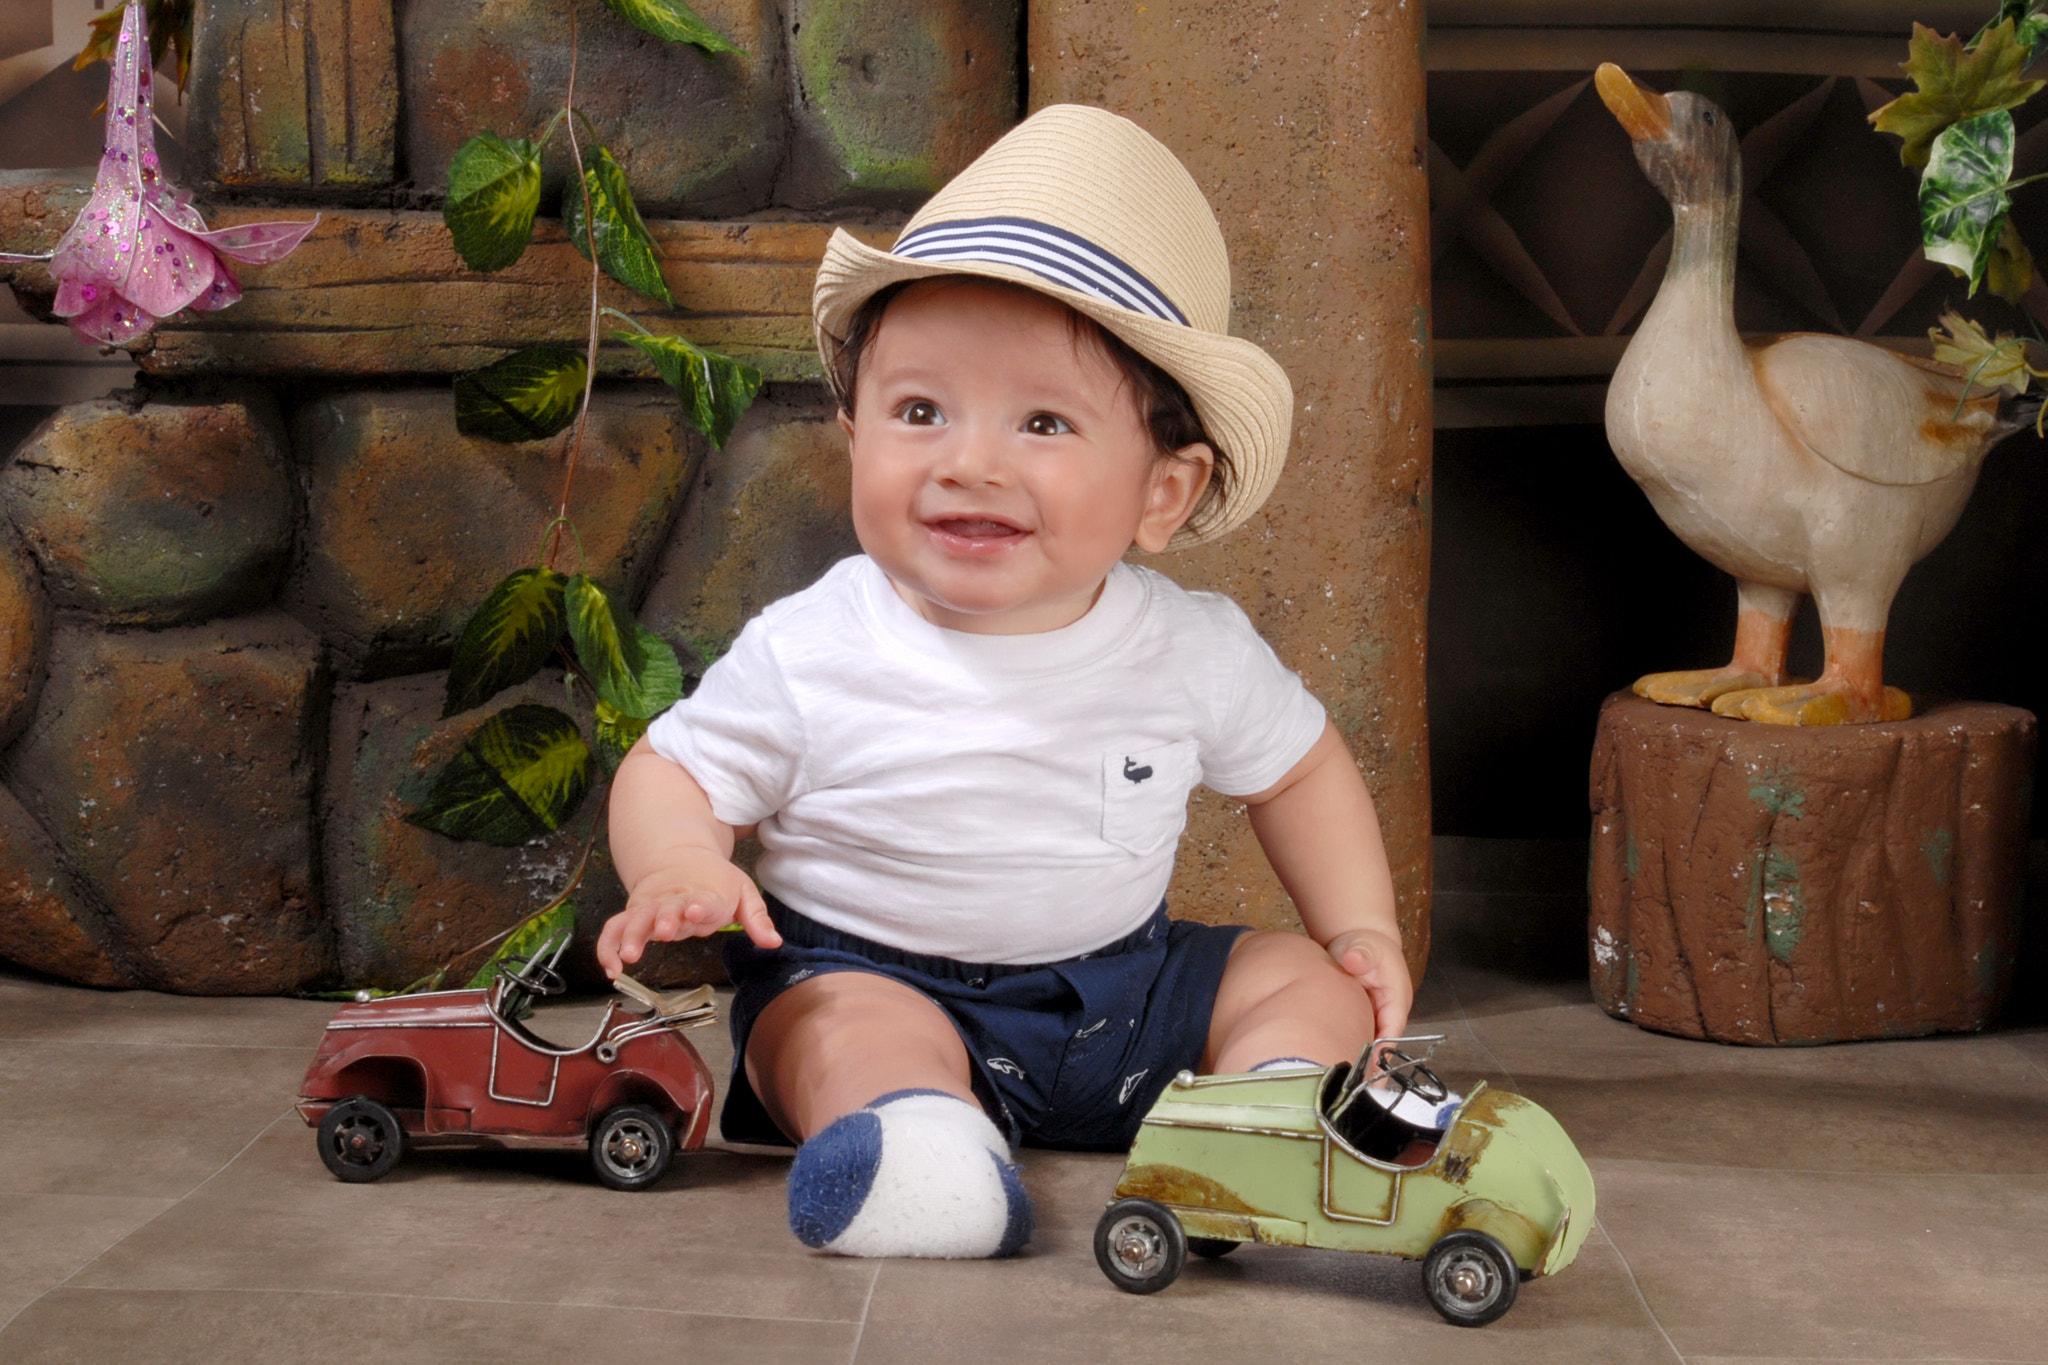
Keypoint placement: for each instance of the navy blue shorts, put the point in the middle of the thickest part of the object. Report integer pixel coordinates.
(1066, 1054)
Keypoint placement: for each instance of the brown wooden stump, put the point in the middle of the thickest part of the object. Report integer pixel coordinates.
(1768, 884)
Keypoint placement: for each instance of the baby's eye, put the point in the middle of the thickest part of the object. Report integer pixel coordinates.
(919, 412)
(1045, 424)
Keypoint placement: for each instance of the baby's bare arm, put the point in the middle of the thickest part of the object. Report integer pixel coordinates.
(675, 858)
(1322, 837)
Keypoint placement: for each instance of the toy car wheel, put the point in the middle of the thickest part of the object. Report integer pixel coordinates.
(1470, 1278)
(1212, 1247)
(1140, 1246)
(360, 1140)
(631, 1146)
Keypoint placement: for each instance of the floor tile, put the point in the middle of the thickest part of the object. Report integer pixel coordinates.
(2032, 1044)
(1776, 1264)
(1883, 1106)
(72, 1324)
(531, 1227)
(45, 1238)
(48, 1012)
(1255, 1307)
(131, 1119)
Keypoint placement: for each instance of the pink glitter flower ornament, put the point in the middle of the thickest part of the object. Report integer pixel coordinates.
(140, 251)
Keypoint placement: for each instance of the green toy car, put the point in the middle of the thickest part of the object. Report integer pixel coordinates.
(1486, 1192)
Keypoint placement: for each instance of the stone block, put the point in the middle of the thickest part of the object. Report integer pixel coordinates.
(378, 293)
(174, 772)
(24, 636)
(154, 513)
(290, 94)
(695, 132)
(46, 922)
(412, 524)
(1786, 884)
(406, 900)
(767, 517)
(894, 97)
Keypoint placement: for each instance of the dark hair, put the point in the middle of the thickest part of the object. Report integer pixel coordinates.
(1163, 405)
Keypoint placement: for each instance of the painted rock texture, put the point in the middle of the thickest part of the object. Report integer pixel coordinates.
(156, 512)
(412, 524)
(287, 94)
(24, 636)
(894, 97)
(1771, 884)
(767, 516)
(699, 134)
(173, 772)
(46, 921)
(405, 900)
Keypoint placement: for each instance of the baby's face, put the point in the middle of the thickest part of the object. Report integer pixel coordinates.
(999, 466)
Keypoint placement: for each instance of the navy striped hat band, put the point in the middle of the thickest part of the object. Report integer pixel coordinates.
(1053, 254)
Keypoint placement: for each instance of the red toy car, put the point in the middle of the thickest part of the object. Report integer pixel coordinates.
(456, 1068)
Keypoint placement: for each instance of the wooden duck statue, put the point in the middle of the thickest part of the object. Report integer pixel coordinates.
(1805, 464)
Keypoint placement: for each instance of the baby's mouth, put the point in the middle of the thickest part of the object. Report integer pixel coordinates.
(976, 528)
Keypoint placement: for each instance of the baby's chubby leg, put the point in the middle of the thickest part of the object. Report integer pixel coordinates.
(1283, 996)
(898, 1158)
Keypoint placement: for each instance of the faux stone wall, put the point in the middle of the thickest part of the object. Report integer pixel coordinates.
(227, 597)
(223, 621)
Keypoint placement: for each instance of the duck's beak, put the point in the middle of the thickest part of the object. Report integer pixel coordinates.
(1643, 114)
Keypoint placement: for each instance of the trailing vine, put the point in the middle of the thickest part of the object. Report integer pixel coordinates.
(525, 771)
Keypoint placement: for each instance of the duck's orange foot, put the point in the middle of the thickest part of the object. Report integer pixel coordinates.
(1696, 686)
(1817, 703)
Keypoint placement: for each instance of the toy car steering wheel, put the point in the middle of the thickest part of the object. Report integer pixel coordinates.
(1410, 1074)
(536, 977)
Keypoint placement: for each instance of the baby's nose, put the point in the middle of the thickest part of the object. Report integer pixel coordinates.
(972, 457)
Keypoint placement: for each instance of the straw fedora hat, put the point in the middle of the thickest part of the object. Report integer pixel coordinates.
(1091, 209)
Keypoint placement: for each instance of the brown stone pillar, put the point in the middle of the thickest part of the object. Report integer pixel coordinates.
(1303, 121)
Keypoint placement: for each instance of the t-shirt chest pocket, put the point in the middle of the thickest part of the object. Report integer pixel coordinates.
(1145, 795)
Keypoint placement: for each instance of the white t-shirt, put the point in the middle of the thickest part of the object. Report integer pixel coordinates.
(991, 798)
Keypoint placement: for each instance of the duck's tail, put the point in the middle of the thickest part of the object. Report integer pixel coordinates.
(2021, 413)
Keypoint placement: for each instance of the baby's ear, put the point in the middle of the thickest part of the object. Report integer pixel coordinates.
(1178, 481)
(846, 423)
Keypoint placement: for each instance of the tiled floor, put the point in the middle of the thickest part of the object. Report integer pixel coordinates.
(1870, 1202)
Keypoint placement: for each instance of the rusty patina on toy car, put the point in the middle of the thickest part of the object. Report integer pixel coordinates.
(1486, 1192)
(451, 1068)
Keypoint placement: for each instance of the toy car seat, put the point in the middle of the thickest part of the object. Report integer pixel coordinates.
(1389, 1105)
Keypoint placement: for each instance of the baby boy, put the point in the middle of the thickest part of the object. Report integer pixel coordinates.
(967, 752)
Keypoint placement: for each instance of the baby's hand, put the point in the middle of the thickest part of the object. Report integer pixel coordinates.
(1373, 959)
(698, 894)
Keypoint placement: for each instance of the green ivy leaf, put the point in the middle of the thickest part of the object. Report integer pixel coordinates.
(507, 639)
(625, 248)
(528, 939)
(715, 390)
(652, 688)
(608, 642)
(1963, 200)
(528, 395)
(616, 733)
(673, 21)
(493, 193)
(518, 777)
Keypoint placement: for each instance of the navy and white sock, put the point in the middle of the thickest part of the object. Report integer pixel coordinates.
(914, 1173)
